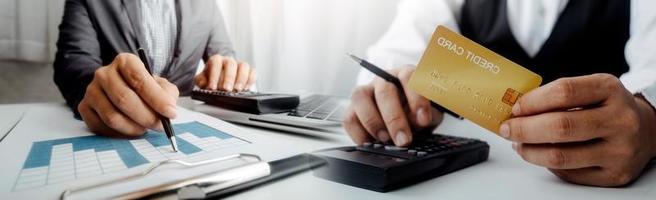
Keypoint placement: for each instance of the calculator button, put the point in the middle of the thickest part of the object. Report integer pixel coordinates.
(367, 144)
(378, 145)
(395, 148)
(412, 151)
(421, 153)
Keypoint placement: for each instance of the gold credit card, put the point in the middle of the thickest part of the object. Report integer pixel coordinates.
(471, 80)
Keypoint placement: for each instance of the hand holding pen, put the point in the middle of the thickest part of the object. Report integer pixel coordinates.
(123, 100)
(166, 122)
(386, 110)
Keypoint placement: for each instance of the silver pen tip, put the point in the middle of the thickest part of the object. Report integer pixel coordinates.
(174, 144)
(359, 60)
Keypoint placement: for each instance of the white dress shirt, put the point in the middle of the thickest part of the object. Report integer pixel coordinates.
(160, 29)
(531, 22)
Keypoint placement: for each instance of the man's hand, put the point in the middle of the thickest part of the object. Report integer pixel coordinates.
(588, 130)
(377, 112)
(225, 73)
(123, 99)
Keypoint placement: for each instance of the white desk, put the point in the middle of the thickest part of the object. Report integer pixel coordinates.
(503, 176)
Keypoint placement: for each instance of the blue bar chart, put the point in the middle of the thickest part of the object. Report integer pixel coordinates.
(68, 159)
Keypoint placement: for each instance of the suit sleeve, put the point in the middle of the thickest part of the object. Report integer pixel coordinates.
(219, 41)
(78, 53)
(409, 34)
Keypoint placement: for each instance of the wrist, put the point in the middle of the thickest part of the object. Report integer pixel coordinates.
(648, 121)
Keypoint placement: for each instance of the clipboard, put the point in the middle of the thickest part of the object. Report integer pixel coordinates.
(216, 184)
(253, 169)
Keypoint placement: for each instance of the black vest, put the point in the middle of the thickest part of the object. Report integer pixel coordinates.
(588, 37)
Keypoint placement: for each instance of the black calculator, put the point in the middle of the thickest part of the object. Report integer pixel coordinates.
(248, 101)
(384, 167)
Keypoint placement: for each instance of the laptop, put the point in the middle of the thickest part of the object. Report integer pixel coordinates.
(316, 115)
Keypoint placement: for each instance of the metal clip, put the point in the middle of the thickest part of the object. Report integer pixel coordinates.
(67, 193)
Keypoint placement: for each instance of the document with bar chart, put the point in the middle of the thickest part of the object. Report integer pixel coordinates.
(49, 152)
(61, 160)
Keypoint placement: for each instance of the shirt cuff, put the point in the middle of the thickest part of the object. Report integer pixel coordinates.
(650, 94)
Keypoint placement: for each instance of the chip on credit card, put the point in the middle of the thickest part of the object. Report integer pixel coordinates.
(471, 80)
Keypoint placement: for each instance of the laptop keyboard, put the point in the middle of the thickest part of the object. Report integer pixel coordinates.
(320, 107)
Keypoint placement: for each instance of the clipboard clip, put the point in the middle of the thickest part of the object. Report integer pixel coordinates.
(190, 188)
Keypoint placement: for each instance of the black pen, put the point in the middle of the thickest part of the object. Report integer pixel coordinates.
(166, 122)
(392, 79)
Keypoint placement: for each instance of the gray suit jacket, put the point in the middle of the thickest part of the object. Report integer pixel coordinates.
(93, 32)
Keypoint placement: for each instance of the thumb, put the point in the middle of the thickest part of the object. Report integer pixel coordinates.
(420, 115)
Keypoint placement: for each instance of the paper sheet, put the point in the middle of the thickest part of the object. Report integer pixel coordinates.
(50, 151)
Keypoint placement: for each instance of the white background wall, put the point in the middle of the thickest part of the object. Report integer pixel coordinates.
(28, 29)
(28, 32)
(297, 46)
(300, 46)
